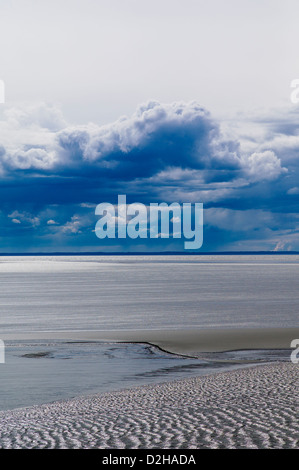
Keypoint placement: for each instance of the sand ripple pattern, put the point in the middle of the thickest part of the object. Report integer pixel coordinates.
(250, 408)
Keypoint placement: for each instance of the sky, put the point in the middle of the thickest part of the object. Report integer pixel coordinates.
(164, 101)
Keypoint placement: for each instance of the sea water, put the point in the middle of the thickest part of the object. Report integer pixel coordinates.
(76, 293)
(137, 292)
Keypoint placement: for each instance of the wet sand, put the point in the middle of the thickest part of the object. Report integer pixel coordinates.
(185, 342)
(246, 408)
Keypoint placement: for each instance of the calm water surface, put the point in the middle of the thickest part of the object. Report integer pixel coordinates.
(132, 292)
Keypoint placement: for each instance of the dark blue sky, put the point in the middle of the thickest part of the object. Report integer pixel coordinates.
(54, 174)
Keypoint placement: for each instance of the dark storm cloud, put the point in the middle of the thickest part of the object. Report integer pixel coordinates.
(52, 173)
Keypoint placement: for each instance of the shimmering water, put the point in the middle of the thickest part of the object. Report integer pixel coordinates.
(131, 292)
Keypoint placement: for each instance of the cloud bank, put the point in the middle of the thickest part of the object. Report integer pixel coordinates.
(53, 174)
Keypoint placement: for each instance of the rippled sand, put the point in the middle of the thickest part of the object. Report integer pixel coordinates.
(250, 408)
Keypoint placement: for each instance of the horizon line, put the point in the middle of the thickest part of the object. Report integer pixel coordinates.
(147, 253)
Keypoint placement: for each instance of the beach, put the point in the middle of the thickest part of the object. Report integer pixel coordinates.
(254, 407)
(149, 352)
